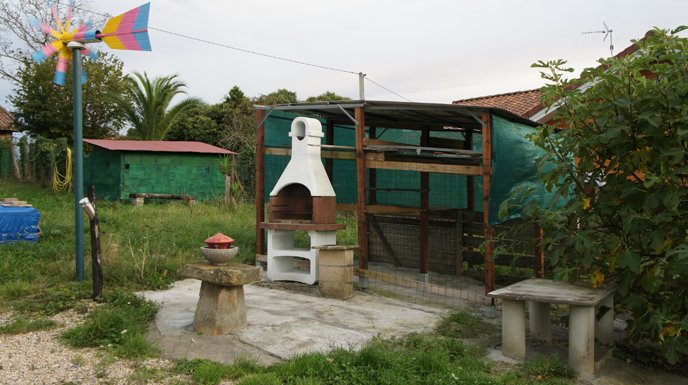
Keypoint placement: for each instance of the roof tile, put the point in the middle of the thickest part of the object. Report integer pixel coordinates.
(519, 102)
(6, 120)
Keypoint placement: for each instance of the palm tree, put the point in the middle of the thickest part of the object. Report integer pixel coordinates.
(146, 104)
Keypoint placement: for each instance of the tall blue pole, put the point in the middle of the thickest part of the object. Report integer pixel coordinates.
(78, 181)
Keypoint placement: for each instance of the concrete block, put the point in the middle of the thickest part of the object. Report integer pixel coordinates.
(540, 324)
(338, 290)
(220, 309)
(582, 339)
(137, 201)
(514, 329)
(604, 328)
(231, 274)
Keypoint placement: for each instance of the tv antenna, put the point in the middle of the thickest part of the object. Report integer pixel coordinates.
(607, 33)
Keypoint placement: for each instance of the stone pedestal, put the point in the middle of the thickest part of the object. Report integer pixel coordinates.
(221, 308)
(336, 271)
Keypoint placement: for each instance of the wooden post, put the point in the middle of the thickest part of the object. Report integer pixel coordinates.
(539, 257)
(490, 281)
(96, 267)
(424, 214)
(361, 190)
(329, 139)
(470, 180)
(260, 182)
(372, 173)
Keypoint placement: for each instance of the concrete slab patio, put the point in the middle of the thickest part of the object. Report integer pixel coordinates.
(282, 324)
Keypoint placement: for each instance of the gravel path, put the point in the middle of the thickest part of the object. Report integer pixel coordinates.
(41, 358)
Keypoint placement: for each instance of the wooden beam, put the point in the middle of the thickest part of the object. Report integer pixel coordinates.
(260, 183)
(490, 280)
(329, 139)
(470, 180)
(374, 161)
(424, 215)
(326, 154)
(385, 209)
(361, 189)
(372, 174)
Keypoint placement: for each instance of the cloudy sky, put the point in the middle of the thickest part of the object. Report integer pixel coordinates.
(426, 51)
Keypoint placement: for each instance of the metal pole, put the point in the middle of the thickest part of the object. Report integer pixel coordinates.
(361, 86)
(78, 183)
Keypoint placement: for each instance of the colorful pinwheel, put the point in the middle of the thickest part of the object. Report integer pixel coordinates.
(128, 31)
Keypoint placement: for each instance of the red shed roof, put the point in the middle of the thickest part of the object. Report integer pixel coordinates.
(520, 102)
(158, 146)
(6, 120)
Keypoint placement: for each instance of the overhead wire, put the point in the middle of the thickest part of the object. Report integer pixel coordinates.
(248, 51)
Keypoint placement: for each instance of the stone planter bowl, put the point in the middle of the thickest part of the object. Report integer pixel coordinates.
(219, 256)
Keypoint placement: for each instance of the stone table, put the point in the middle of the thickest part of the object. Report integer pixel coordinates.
(220, 308)
(540, 293)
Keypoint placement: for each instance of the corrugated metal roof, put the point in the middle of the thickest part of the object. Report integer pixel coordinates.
(158, 146)
(409, 115)
(6, 121)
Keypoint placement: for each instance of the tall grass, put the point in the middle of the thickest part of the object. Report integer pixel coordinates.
(142, 246)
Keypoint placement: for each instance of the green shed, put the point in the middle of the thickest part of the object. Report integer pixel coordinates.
(121, 167)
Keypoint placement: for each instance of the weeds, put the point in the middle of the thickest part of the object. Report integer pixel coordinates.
(23, 325)
(462, 324)
(121, 324)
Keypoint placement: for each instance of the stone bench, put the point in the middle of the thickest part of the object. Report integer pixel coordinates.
(540, 293)
(220, 308)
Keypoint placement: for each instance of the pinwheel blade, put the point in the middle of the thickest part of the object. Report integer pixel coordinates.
(47, 51)
(128, 31)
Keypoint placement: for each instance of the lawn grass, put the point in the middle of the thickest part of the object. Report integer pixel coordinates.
(142, 249)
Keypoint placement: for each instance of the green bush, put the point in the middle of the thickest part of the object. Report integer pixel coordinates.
(621, 169)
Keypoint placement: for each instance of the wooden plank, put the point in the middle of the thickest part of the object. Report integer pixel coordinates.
(325, 154)
(385, 244)
(302, 226)
(384, 209)
(361, 189)
(260, 182)
(487, 184)
(456, 169)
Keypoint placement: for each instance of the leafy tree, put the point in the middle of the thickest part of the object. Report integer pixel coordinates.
(43, 108)
(239, 135)
(326, 96)
(196, 123)
(622, 165)
(146, 104)
(281, 96)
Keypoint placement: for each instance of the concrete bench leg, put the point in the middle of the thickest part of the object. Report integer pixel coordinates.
(582, 339)
(604, 329)
(540, 325)
(220, 309)
(514, 329)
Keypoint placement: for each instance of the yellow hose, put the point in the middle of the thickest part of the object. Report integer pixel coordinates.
(63, 182)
